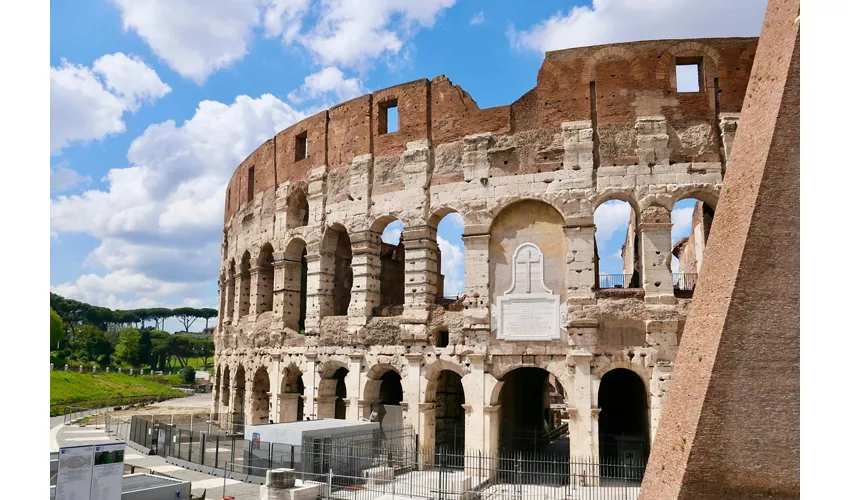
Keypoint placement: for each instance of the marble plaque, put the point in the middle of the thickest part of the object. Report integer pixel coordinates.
(528, 310)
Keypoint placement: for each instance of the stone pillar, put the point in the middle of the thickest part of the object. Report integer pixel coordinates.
(652, 141)
(578, 147)
(320, 284)
(474, 161)
(274, 380)
(476, 393)
(420, 279)
(366, 270)
(316, 195)
(728, 129)
(254, 289)
(491, 418)
(311, 385)
(326, 406)
(656, 253)
(477, 259)
(661, 373)
(412, 391)
(278, 484)
(287, 290)
(242, 298)
(581, 268)
(250, 409)
(352, 384)
(288, 407)
(229, 292)
(427, 430)
(583, 440)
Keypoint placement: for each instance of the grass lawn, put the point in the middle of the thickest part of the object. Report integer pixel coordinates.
(70, 387)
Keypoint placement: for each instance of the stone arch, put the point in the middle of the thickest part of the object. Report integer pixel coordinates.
(231, 290)
(332, 390)
(260, 388)
(500, 372)
(297, 209)
(244, 284)
(293, 306)
(607, 54)
(666, 69)
(265, 278)
(624, 418)
(239, 385)
(374, 380)
(505, 204)
(709, 195)
(523, 396)
(291, 394)
(630, 251)
(619, 195)
(601, 368)
(335, 259)
(392, 266)
(432, 373)
(446, 295)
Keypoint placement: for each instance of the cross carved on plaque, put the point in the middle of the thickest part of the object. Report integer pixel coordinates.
(529, 259)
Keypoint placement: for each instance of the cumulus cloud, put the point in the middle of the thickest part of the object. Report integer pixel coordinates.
(477, 19)
(159, 219)
(328, 81)
(105, 290)
(63, 178)
(198, 38)
(610, 217)
(89, 103)
(453, 267)
(682, 221)
(392, 233)
(613, 21)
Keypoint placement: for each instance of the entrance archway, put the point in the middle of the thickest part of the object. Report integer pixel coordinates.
(260, 397)
(623, 424)
(239, 401)
(449, 415)
(526, 421)
(341, 393)
(291, 396)
(384, 392)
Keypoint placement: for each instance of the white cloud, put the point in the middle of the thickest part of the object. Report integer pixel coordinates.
(160, 218)
(682, 220)
(477, 19)
(105, 290)
(392, 233)
(89, 103)
(674, 265)
(452, 265)
(329, 80)
(63, 178)
(610, 217)
(198, 38)
(613, 21)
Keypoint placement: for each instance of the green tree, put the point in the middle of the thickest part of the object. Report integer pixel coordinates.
(187, 316)
(160, 354)
(129, 348)
(206, 313)
(57, 329)
(203, 347)
(92, 345)
(187, 373)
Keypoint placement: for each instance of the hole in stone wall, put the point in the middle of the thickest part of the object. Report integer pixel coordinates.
(689, 75)
(250, 183)
(442, 338)
(388, 116)
(301, 151)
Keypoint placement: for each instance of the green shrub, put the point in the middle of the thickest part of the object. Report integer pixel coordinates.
(187, 374)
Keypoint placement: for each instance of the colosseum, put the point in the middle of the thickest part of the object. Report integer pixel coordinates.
(321, 318)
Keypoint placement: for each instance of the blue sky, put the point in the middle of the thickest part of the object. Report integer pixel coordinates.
(154, 103)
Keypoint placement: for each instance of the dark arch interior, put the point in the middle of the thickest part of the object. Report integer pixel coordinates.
(343, 274)
(390, 392)
(623, 419)
(525, 416)
(449, 415)
(341, 393)
(261, 388)
(302, 312)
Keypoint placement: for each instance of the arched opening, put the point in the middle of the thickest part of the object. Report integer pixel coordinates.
(260, 397)
(291, 396)
(245, 285)
(231, 289)
(336, 256)
(616, 246)
(297, 210)
(623, 424)
(239, 400)
(265, 278)
(527, 422)
(449, 415)
(224, 394)
(340, 392)
(294, 307)
(451, 261)
(692, 219)
(392, 266)
(217, 390)
(383, 391)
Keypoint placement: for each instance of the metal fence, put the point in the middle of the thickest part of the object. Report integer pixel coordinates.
(351, 467)
(685, 282)
(619, 281)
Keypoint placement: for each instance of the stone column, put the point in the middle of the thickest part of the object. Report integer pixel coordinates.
(581, 272)
(420, 279)
(288, 407)
(661, 372)
(476, 397)
(352, 385)
(287, 290)
(310, 379)
(656, 253)
(366, 270)
(316, 195)
(242, 292)
(427, 429)
(326, 406)
(274, 380)
(477, 259)
(491, 417)
(412, 390)
(229, 286)
(582, 437)
(251, 410)
(320, 281)
(254, 289)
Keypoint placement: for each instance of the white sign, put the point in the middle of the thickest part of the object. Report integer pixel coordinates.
(108, 472)
(528, 310)
(90, 472)
(73, 479)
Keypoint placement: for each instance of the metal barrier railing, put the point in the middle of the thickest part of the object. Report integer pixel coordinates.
(619, 281)
(685, 282)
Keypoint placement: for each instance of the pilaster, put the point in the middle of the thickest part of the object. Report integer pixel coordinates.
(366, 271)
(581, 268)
(656, 245)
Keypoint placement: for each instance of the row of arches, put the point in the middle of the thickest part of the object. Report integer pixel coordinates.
(532, 402)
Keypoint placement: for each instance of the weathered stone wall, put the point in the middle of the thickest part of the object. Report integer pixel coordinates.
(602, 123)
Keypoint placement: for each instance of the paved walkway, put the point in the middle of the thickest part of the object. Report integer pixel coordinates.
(74, 435)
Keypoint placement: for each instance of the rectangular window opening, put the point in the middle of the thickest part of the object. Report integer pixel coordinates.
(388, 117)
(689, 75)
(227, 201)
(301, 146)
(250, 183)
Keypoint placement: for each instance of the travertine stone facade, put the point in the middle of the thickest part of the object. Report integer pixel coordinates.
(302, 245)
